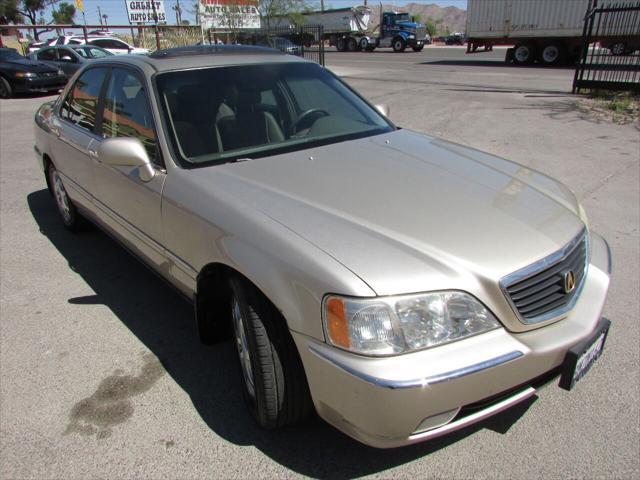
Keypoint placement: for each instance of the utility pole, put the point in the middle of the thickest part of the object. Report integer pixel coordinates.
(178, 10)
(126, 9)
(100, 14)
(322, 5)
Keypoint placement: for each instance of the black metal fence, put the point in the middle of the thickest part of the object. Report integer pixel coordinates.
(610, 57)
(306, 41)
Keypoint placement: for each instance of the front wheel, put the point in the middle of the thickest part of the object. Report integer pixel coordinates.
(399, 45)
(417, 48)
(274, 384)
(68, 212)
(5, 88)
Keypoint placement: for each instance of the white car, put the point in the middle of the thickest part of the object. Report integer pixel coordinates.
(111, 44)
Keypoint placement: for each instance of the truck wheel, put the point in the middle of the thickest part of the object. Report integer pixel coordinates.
(274, 384)
(364, 44)
(417, 48)
(618, 48)
(524, 54)
(352, 44)
(399, 45)
(341, 45)
(5, 88)
(552, 54)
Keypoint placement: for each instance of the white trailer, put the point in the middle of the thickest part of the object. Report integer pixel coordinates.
(548, 31)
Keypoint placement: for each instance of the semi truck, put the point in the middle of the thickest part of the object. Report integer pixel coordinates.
(546, 31)
(348, 29)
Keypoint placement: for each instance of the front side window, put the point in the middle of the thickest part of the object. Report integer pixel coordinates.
(81, 104)
(221, 114)
(127, 112)
(48, 54)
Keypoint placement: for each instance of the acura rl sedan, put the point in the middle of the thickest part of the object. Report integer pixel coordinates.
(400, 285)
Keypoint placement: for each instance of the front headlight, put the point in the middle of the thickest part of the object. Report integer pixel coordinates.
(393, 325)
(60, 72)
(26, 75)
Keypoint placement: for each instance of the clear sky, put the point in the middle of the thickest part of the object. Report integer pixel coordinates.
(117, 14)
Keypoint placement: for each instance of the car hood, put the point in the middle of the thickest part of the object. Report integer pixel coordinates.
(31, 65)
(407, 212)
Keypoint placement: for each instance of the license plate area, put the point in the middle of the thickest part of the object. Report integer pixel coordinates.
(581, 357)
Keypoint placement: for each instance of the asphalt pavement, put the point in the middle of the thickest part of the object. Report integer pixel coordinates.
(102, 375)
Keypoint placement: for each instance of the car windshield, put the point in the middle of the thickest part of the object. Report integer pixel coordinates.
(403, 17)
(7, 55)
(216, 115)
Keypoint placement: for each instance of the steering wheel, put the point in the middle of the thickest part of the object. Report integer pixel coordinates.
(306, 116)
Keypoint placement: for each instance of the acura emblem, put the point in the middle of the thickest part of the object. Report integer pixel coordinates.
(569, 281)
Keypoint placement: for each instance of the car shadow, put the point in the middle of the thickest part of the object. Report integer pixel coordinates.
(163, 321)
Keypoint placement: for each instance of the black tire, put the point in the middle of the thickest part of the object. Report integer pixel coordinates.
(341, 44)
(417, 48)
(275, 386)
(524, 54)
(364, 44)
(619, 48)
(553, 54)
(352, 45)
(399, 45)
(69, 215)
(5, 88)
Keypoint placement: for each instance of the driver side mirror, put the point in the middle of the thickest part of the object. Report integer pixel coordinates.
(383, 108)
(127, 152)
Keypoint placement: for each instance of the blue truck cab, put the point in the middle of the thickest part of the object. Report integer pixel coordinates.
(399, 31)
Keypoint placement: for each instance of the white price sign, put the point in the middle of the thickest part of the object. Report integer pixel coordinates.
(229, 14)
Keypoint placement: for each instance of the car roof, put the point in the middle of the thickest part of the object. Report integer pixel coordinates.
(200, 56)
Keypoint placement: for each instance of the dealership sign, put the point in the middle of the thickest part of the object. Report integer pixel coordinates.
(142, 11)
(229, 14)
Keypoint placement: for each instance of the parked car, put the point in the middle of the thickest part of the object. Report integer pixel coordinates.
(69, 58)
(21, 75)
(280, 43)
(113, 45)
(402, 285)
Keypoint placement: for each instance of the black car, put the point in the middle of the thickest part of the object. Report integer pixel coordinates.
(20, 75)
(69, 58)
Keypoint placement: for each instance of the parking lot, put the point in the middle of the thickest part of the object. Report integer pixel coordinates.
(102, 374)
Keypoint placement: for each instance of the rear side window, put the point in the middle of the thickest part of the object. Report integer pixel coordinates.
(127, 112)
(81, 105)
(109, 43)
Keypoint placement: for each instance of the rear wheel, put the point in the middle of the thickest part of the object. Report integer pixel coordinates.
(364, 44)
(399, 45)
(68, 212)
(618, 48)
(274, 384)
(341, 44)
(5, 88)
(352, 44)
(552, 54)
(524, 54)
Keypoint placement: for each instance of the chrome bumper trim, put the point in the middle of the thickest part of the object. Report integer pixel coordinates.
(420, 382)
(474, 418)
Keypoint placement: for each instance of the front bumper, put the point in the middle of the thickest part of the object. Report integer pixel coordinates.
(396, 401)
(38, 84)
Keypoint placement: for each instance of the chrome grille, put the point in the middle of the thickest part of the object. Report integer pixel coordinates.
(421, 33)
(539, 292)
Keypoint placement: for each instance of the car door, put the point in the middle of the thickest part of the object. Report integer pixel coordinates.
(68, 61)
(111, 44)
(126, 203)
(48, 55)
(75, 126)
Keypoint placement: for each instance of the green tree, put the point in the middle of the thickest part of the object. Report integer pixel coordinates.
(64, 14)
(432, 28)
(9, 12)
(291, 10)
(30, 9)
